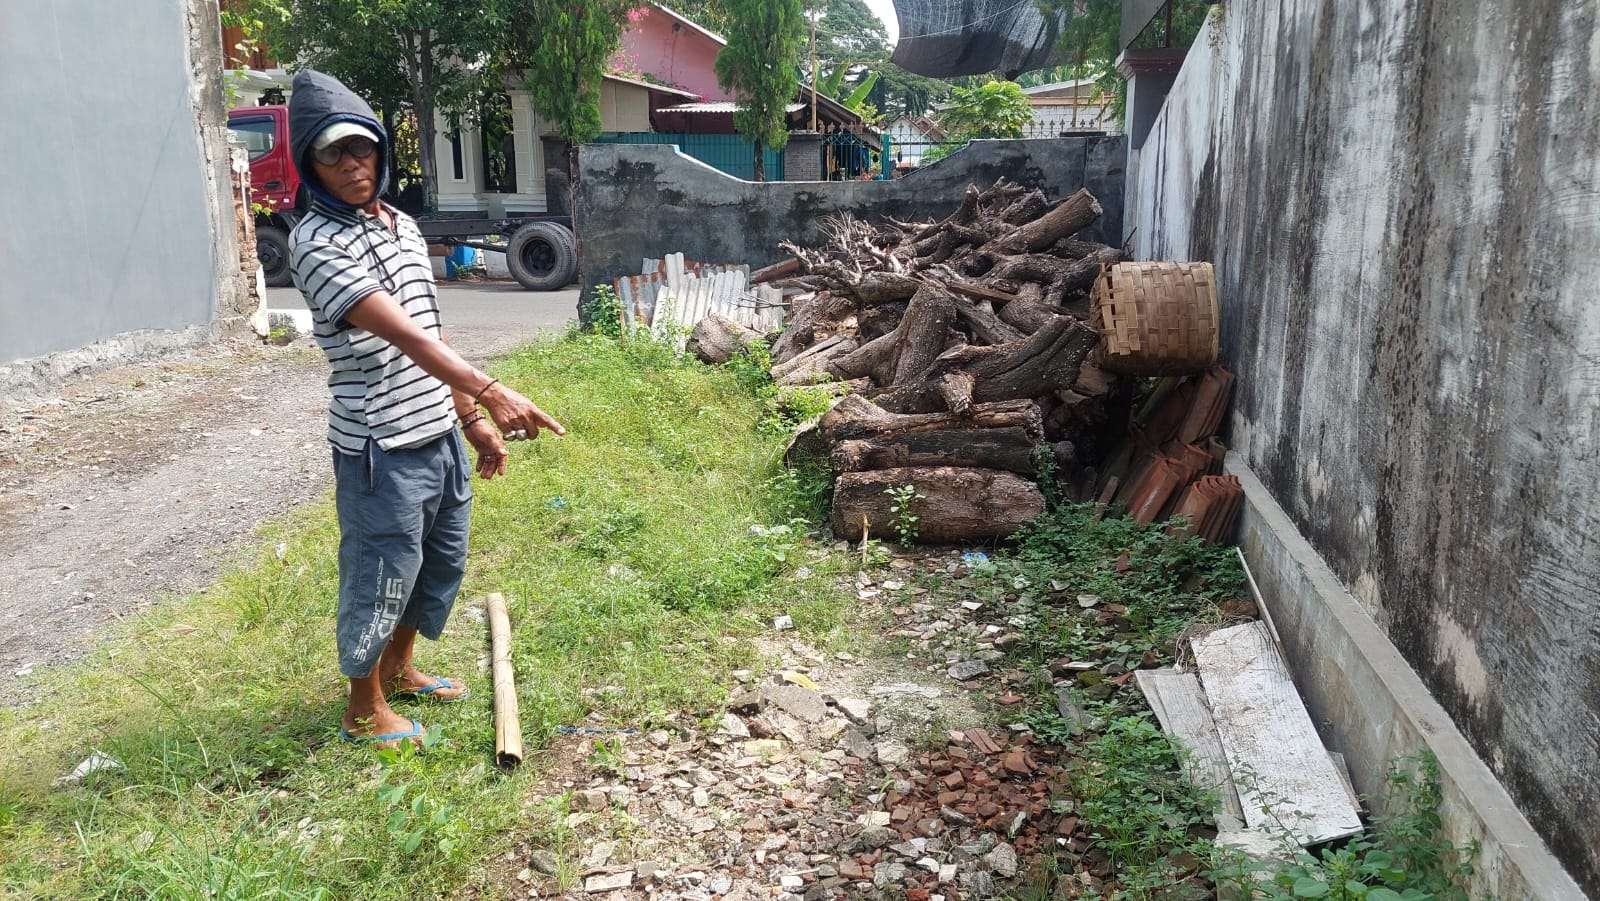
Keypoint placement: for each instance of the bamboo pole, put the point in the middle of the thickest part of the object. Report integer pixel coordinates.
(507, 723)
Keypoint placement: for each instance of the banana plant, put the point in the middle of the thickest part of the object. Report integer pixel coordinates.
(859, 95)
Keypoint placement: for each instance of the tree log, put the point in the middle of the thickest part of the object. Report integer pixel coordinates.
(716, 339)
(1026, 208)
(883, 287)
(957, 504)
(985, 325)
(1028, 313)
(1081, 274)
(854, 417)
(810, 320)
(1043, 362)
(910, 348)
(775, 271)
(1011, 449)
(1070, 217)
(813, 365)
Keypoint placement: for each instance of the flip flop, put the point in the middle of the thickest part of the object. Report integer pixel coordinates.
(416, 731)
(428, 690)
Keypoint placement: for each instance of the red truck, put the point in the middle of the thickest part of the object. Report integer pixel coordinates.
(541, 250)
(275, 191)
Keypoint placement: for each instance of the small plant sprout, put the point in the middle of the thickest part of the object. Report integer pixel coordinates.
(901, 503)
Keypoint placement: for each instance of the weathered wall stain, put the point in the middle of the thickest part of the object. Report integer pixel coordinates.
(636, 201)
(1402, 198)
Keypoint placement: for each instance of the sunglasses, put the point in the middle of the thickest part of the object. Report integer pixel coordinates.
(358, 147)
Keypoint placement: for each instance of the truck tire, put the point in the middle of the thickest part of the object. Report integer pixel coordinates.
(570, 238)
(272, 250)
(542, 256)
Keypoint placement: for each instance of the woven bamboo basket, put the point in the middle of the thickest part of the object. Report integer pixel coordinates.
(1157, 318)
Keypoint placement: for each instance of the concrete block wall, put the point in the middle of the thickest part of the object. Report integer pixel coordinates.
(636, 201)
(1401, 198)
(802, 158)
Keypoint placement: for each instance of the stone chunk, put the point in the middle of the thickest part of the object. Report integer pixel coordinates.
(545, 862)
(855, 709)
(1002, 860)
(892, 753)
(968, 669)
(798, 702)
(888, 873)
(608, 882)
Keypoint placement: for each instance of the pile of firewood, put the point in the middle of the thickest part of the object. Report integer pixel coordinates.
(967, 356)
(963, 343)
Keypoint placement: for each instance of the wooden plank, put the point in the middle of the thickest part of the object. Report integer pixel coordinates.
(1285, 779)
(1180, 707)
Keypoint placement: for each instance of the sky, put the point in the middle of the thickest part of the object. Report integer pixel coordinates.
(884, 10)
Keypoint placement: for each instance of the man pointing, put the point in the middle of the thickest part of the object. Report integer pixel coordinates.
(401, 471)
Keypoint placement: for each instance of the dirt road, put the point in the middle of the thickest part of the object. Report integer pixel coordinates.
(142, 482)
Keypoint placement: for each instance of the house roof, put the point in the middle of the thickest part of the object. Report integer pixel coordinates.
(691, 23)
(924, 124)
(650, 85)
(719, 106)
(1057, 86)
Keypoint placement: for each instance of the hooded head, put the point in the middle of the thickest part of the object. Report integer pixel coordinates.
(318, 102)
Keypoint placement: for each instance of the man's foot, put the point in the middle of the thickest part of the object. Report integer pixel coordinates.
(412, 681)
(358, 725)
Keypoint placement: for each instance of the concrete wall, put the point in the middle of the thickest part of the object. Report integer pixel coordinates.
(638, 201)
(1402, 198)
(117, 214)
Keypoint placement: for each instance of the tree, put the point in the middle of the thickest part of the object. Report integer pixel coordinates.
(853, 42)
(706, 13)
(760, 67)
(994, 109)
(563, 60)
(427, 54)
(1091, 39)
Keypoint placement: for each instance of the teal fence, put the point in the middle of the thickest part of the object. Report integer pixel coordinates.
(730, 153)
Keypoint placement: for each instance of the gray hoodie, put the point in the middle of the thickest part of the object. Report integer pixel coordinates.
(320, 100)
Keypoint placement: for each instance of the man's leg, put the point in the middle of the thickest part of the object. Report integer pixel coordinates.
(380, 551)
(399, 674)
(444, 565)
(369, 714)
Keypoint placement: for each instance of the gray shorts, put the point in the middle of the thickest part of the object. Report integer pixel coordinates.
(402, 543)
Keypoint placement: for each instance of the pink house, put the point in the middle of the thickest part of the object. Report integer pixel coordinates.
(670, 47)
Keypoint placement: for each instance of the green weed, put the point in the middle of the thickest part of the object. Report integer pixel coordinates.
(603, 312)
(1140, 808)
(902, 504)
(1405, 858)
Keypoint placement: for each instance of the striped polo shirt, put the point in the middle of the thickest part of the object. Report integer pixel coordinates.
(337, 258)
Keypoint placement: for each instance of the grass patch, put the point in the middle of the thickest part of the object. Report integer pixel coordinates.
(635, 578)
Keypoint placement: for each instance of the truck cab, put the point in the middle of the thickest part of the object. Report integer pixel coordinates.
(275, 192)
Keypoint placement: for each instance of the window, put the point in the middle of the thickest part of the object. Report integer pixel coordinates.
(457, 172)
(257, 135)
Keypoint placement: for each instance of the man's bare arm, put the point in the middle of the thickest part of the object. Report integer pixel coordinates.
(379, 314)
